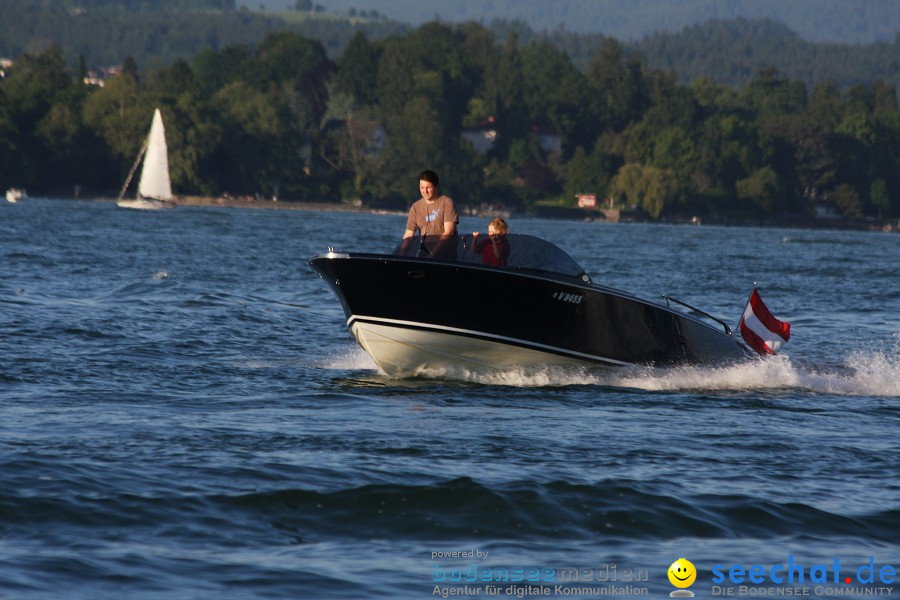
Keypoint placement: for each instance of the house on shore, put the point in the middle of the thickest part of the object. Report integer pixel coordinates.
(484, 135)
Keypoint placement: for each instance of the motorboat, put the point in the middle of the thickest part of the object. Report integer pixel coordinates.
(15, 194)
(417, 309)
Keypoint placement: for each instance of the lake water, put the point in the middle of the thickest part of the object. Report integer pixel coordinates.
(183, 414)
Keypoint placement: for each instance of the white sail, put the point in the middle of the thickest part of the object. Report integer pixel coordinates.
(155, 181)
(154, 188)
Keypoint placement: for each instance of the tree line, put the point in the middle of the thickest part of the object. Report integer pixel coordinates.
(734, 51)
(283, 117)
(158, 32)
(847, 21)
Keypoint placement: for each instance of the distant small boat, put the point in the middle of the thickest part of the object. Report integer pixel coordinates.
(15, 194)
(154, 188)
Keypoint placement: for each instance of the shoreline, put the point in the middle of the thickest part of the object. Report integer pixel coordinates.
(223, 202)
(568, 213)
(556, 213)
(274, 204)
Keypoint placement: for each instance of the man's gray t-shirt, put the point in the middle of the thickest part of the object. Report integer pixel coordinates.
(428, 218)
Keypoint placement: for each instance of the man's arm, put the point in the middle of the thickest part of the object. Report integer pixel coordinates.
(404, 245)
(447, 238)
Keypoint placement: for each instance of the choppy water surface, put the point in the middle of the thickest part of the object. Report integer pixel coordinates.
(184, 415)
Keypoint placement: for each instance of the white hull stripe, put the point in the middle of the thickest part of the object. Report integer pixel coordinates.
(479, 334)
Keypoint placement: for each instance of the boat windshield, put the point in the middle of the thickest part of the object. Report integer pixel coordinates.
(525, 252)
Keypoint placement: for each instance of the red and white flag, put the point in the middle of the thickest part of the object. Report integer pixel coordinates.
(763, 332)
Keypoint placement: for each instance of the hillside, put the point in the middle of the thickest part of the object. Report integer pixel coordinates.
(280, 117)
(844, 21)
(730, 51)
(108, 32)
(734, 51)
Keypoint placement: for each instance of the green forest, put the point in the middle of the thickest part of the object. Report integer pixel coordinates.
(284, 116)
(845, 21)
(156, 33)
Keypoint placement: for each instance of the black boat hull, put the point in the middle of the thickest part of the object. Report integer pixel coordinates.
(414, 315)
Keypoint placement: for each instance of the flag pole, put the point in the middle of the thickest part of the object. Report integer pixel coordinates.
(738, 326)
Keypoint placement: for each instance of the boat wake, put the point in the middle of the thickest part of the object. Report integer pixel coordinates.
(354, 358)
(861, 373)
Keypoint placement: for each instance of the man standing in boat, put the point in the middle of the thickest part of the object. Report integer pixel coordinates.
(434, 216)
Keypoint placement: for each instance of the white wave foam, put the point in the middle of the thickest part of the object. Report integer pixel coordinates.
(353, 358)
(862, 374)
(876, 373)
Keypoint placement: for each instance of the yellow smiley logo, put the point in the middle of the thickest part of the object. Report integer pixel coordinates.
(682, 573)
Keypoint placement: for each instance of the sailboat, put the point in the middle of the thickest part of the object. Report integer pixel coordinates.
(154, 188)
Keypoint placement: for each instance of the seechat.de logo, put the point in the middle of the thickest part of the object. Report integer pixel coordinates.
(795, 573)
(682, 574)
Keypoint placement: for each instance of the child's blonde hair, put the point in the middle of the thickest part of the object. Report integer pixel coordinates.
(499, 224)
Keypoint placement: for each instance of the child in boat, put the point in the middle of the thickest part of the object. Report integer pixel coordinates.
(495, 249)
